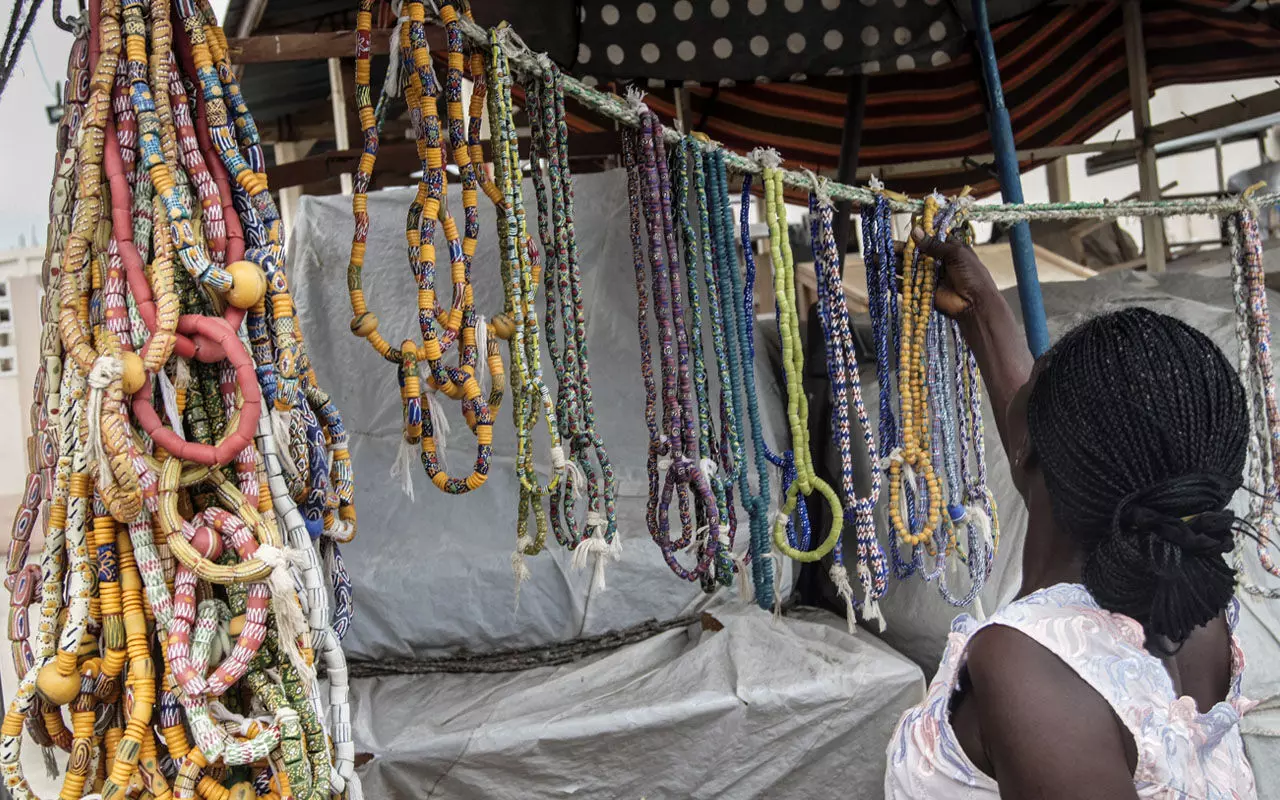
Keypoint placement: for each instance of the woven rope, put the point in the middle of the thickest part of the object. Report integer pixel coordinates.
(619, 110)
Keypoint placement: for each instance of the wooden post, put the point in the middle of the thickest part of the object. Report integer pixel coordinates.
(338, 94)
(684, 111)
(1059, 181)
(289, 195)
(1153, 240)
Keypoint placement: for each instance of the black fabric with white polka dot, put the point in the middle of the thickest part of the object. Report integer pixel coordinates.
(727, 41)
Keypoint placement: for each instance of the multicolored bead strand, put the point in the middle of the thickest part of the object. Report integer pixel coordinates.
(672, 470)
(842, 372)
(575, 403)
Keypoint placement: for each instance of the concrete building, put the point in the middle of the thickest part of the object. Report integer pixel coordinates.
(20, 298)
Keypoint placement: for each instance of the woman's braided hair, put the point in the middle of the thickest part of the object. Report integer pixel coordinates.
(1140, 426)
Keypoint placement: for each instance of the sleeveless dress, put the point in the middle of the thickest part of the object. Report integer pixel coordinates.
(1182, 754)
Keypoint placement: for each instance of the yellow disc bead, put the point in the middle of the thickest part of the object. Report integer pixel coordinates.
(134, 376)
(248, 284)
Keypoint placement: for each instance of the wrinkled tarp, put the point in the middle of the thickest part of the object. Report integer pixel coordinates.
(763, 708)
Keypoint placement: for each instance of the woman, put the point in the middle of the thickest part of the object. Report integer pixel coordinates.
(1116, 672)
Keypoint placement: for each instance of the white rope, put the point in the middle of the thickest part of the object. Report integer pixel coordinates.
(290, 621)
(482, 356)
(765, 158)
(391, 86)
(844, 590)
(870, 605)
(819, 188)
(402, 467)
(169, 398)
(746, 591)
(708, 468)
(440, 427)
(105, 370)
(594, 545)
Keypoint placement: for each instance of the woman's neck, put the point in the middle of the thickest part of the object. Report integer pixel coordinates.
(1049, 556)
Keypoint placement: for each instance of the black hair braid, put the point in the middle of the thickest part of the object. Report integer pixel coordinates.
(1140, 426)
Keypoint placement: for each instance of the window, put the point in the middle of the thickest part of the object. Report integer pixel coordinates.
(6, 314)
(4, 288)
(8, 366)
(6, 339)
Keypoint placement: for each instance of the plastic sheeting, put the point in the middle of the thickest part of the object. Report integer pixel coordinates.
(433, 575)
(762, 708)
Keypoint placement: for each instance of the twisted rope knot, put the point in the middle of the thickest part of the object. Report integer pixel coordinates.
(708, 467)
(595, 545)
(819, 188)
(875, 184)
(895, 457)
(844, 590)
(105, 370)
(870, 606)
(765, 158)
(635, 100)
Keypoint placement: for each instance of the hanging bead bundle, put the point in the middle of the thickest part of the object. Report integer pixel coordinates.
(187, 473)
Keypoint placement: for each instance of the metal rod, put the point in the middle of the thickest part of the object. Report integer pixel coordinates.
(1024, 254)
(850, 143)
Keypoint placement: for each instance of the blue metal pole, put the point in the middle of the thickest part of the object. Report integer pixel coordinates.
(1024, 255)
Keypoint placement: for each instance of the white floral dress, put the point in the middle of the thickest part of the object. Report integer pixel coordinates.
(1182, 754)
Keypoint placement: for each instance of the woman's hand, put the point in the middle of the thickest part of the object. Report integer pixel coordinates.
(965, 285)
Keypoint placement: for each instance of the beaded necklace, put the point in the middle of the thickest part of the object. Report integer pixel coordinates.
(672, 470)
(842, 371)
(520, 271)
(575, 404)
(711, 446)
(23, 580)
(743, 294)
(914, 460)
(798, 527)
(421, 425)
(111, 486)
(1253, 334)
(806, 481)
(882, 301)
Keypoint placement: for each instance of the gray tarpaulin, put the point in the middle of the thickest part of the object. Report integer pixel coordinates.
(737, 713)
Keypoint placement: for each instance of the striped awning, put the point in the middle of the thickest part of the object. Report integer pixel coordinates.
(1064, 73)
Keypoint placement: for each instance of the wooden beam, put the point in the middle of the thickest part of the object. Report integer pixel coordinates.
(1216, 118)
(1023, 156)
(1139, 95)
(341, 136)
(1059, 179)
(402, 157)
(316, 46)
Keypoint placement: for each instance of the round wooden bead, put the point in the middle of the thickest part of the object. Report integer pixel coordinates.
(135, 375)
(248, 284)
(363, 325)
(236, 626)
(56, 688)
(504, 326)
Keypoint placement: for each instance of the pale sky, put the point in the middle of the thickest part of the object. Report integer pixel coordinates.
(26, 137)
